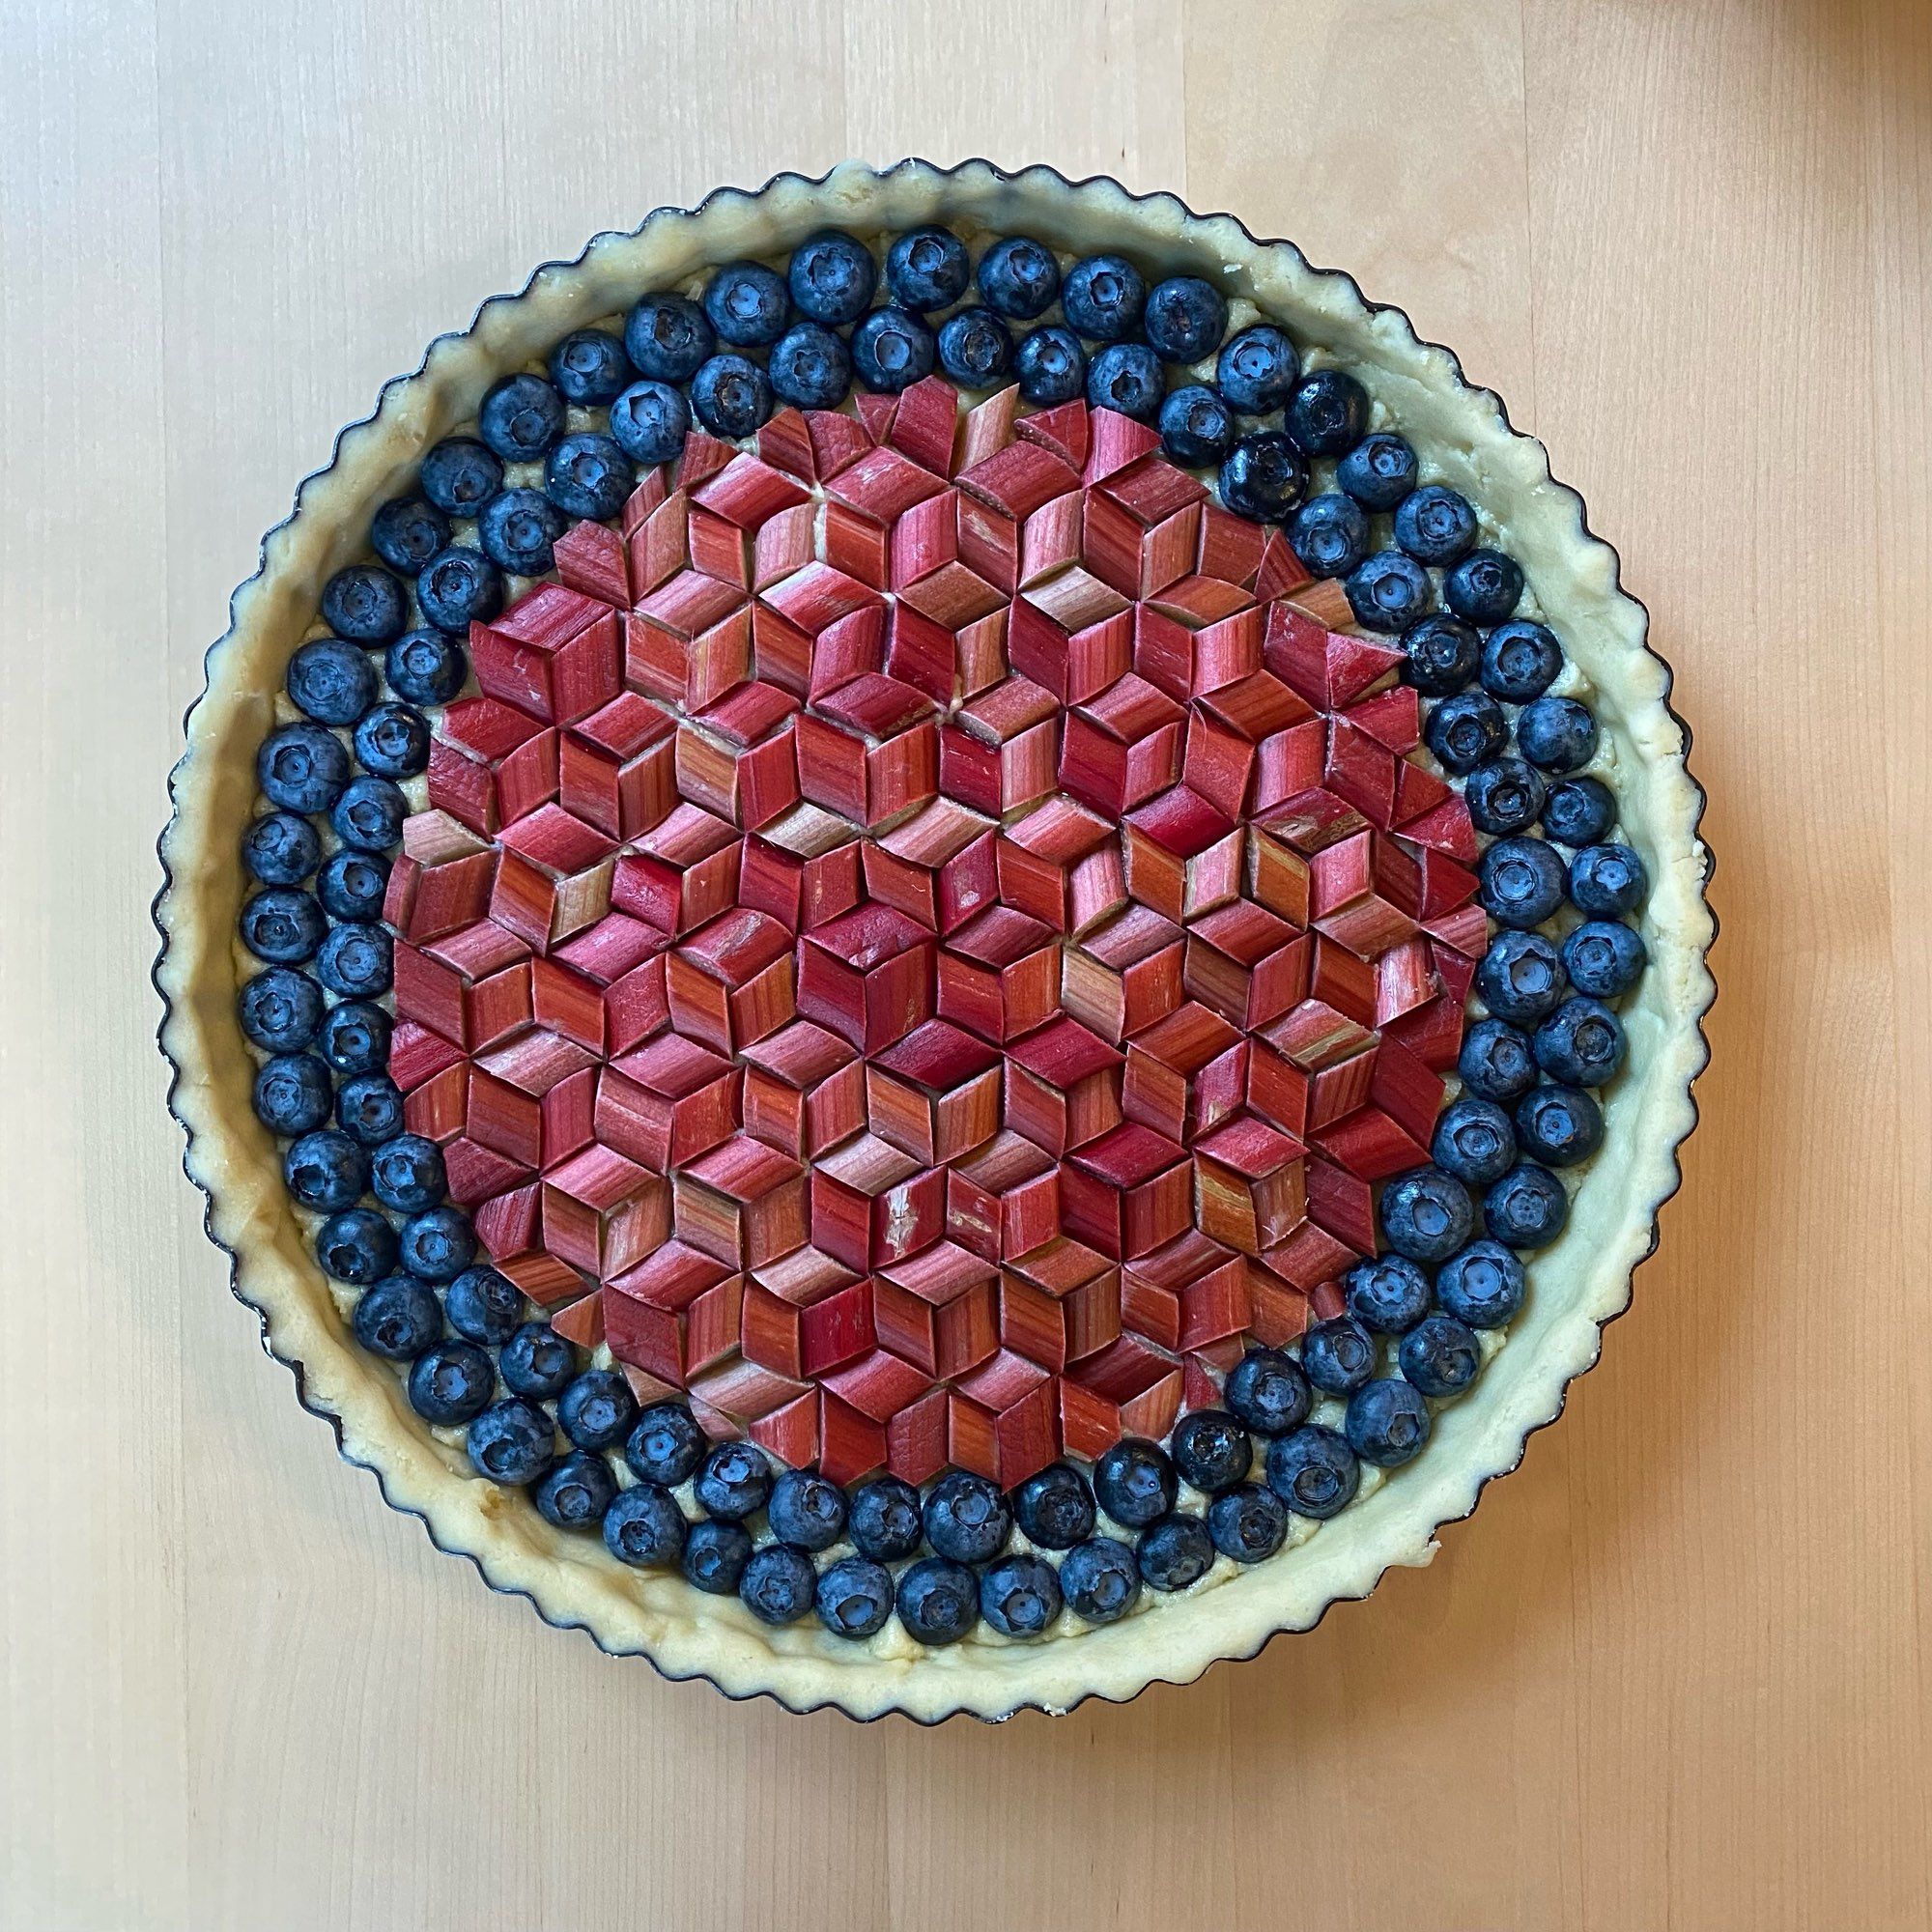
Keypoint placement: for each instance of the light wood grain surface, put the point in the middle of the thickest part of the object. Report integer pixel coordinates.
(1674, 1673)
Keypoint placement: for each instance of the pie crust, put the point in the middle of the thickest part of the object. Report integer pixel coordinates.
(1583, 1282)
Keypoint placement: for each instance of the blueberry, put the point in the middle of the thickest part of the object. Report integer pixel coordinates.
(1339, 1355)
(590, 367)
(1269, 1392)
(667, 338)
(407, 533)
(351, 888)
(355, 961)
(1442, 653)
(397, 1318)
(1102, 298)
(644, 1528)
(779, 1584)
(1328, 412)
(333, 682)
(1257, 369)
(356, 1037)
(588, 476)
(291, 1094)
(326, 1171)
(452, 1384)
(650, 421)
(1520, 662)
(1465, 730)
(1387, 1423)
(1581, 1044)
(1483, 1286)
(575, 1491)
(892, 349)
(1388, 591)
(301, 768)
(1019, 1596)
(885, 1522)
(1019, 277)
(1055, 1507)
(358, 1246)
(282, 925)
(1579, 812)
(1197, 428)
(734, 1481)
(809, 368)
(854, 1597)
(1134, 1483)
(1559, 1125)
(1497, 1062)
(715, 1555)
(831, 278)
(1248, 1523)
(280, 849)
(1174, 1553)
(808, 1509)
(1504, 796)
(1604, 959)
(522, 416)
(1314, 1472)
(538, 1362)
(365, 605)
(518, 530)
(1473, 1141)
(1330, 534)
(1101, 1581)
(511, 1442)
(1522, 882)
(938, 1601)
(1050, 367)
(746, 304)
(665, 1446)
(1522, 977)
(597, 1409)
(1607, 880)
(1127, 376)
(1526, 1209)
(426, 668)
(1485, 588)
(1387, 1293)
(1211, 1450)
(458, 587)
(1556, 735)
(927, 269)
(1379, 472)
(407, 1173)
(1184, 318)
(484, 1306)
(1426, 1215)
(280, 1009)
(460, 476)
(967, 1518)
(437, 1244)
(368, 818)
(1435, 524)
(1263, 478)
(975, 350)
(1441, 1357)
(731, 397)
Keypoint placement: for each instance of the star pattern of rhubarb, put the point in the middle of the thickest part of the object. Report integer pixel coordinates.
(929, 937)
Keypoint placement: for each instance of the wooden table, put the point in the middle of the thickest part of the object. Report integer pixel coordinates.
(1677, 1671)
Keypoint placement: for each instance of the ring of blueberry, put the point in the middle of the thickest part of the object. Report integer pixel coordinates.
(931, 956)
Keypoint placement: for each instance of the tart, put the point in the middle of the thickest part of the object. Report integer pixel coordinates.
(934, 941)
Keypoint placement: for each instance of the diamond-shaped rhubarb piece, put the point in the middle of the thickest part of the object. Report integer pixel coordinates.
(868, 752)
(1121, 748)
(953, 560)
(1063, 1086)
(667, 1102)
(681, 872)
(1128, 1192)
(1192, 1293)
(1185, 1074)
(553, 656)
(1129, 1388)
(1061, 863)
(1004, 1199)
(1000, 750)
(805, 1089)
(748, 780)
(602, 1212)
(1247, 963)
(730, 982)
(744, 1202)
(935, 1094)
(1125, 975)
(937, 867)
(874, 1204)
(867, 975)
(665, 1315)
(616, 768)
(998, 976)
(1252, 1187)
(938, 1310)
(1018, 1402)
(1183, 855)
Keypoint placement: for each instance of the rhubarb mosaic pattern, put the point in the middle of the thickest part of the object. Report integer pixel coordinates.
(927, 938)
